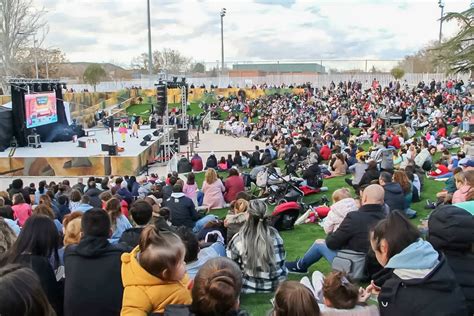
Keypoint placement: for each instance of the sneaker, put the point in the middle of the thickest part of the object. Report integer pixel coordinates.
(293, 267)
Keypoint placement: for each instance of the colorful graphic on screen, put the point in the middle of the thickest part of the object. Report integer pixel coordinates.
(40, 109)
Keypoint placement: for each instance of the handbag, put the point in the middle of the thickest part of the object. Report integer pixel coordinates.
(351, 262)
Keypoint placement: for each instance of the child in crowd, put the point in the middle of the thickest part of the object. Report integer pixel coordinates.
(154, 274)
(236, 217)
(119, 222)
(464, 185)
(337, 295)
(294, 299)
(142, 212)
(21, 210)
(190, 188)
(343, 204)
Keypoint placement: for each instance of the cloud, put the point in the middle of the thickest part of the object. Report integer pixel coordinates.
(91, 30)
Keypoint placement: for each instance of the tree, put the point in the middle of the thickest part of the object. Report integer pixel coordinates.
(48, 62)
(423, 61)
(140, 63)
(397, 73)
(457, 53)
(19, 21)
(170, 61)
(93, 75)
(199, 68)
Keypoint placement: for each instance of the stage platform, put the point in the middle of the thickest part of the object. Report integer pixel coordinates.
(68, 159)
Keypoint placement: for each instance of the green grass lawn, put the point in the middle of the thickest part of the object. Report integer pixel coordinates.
(144, 109)
(297, 241)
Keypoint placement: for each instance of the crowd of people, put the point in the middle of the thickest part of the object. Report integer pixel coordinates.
(144, 245)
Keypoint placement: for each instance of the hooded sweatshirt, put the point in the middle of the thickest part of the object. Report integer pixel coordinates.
(394, 197)
(183, 212)
(418, 281)
(93, 283)
(144, 293)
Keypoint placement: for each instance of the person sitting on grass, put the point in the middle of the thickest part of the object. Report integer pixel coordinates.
(294, 299)
(213, 190)
(141, 212)
(352, 234)
(416, 279)
(216, 291)
(343, 203)
(259, 251)
(195, 257)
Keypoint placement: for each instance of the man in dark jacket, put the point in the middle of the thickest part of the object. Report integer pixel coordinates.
(451, 232)
(93, 193)
(211, 161)
(93, 279)
(255, 159)
(17, 187)
(394, 196)
(141, 212)
(182, 209)
(352, 234)
(184, 166)
(168, 189)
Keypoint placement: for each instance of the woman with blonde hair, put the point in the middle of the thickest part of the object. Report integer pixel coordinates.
(464, 185)
(72, 231)
(236, 217)
(213, 189)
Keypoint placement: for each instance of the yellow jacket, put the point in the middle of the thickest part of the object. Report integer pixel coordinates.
(144, 293)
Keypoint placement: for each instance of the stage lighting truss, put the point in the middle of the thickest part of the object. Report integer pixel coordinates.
(34, 85)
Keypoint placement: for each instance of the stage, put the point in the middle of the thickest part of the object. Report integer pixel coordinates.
(68, 159)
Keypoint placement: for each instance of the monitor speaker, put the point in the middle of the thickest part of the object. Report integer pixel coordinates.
(143, 143)
(147, 138)
(156, 133)
(82, 144)
(104, 147)
(112, 150)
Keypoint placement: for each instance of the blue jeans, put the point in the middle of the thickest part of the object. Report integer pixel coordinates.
(314, 253)
(202, 222)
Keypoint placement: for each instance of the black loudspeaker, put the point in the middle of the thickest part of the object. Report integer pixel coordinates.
(104, 147)
(82, 144)
(111, 123)
(147, 138)
(183, 136)
(156, 133)
(143, 143)
(112, 150)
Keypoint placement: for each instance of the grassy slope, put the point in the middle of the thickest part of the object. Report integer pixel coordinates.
(300, 239)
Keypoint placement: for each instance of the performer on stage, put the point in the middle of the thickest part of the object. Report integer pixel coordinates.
(135, 127)
(123, 130)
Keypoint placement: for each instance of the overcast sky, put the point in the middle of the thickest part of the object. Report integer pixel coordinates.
(116, 30)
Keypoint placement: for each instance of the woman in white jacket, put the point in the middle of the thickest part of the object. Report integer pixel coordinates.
(343, 203)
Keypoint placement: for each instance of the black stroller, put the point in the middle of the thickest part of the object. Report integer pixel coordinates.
(281, 190)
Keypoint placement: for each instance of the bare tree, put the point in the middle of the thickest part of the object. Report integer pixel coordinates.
(49, 60)
(19, 20)
(171, 61)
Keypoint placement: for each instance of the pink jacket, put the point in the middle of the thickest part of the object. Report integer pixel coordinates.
(213, 194)
(461, 194)
(190, 190)
(21, 212)
(338, 212)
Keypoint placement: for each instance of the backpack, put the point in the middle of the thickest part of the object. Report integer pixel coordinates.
(262, 178)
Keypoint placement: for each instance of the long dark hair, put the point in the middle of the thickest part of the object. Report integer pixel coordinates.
(38, 237)
(21, 293)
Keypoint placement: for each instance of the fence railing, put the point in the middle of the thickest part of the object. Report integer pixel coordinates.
(318, 80)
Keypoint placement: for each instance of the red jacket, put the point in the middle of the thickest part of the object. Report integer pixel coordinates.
(395, 142)
(196, 163)
(325, 152)
(233, 185)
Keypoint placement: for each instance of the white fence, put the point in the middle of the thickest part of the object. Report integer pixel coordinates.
(224, 81)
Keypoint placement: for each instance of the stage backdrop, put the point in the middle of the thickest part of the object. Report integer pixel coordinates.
(57, 131)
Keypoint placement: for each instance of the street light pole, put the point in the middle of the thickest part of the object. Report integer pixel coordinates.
(441, 5)
(223, 11)
(36, 57)
(149, 40)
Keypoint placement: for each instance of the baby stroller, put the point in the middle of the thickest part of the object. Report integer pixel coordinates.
(282, 189)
